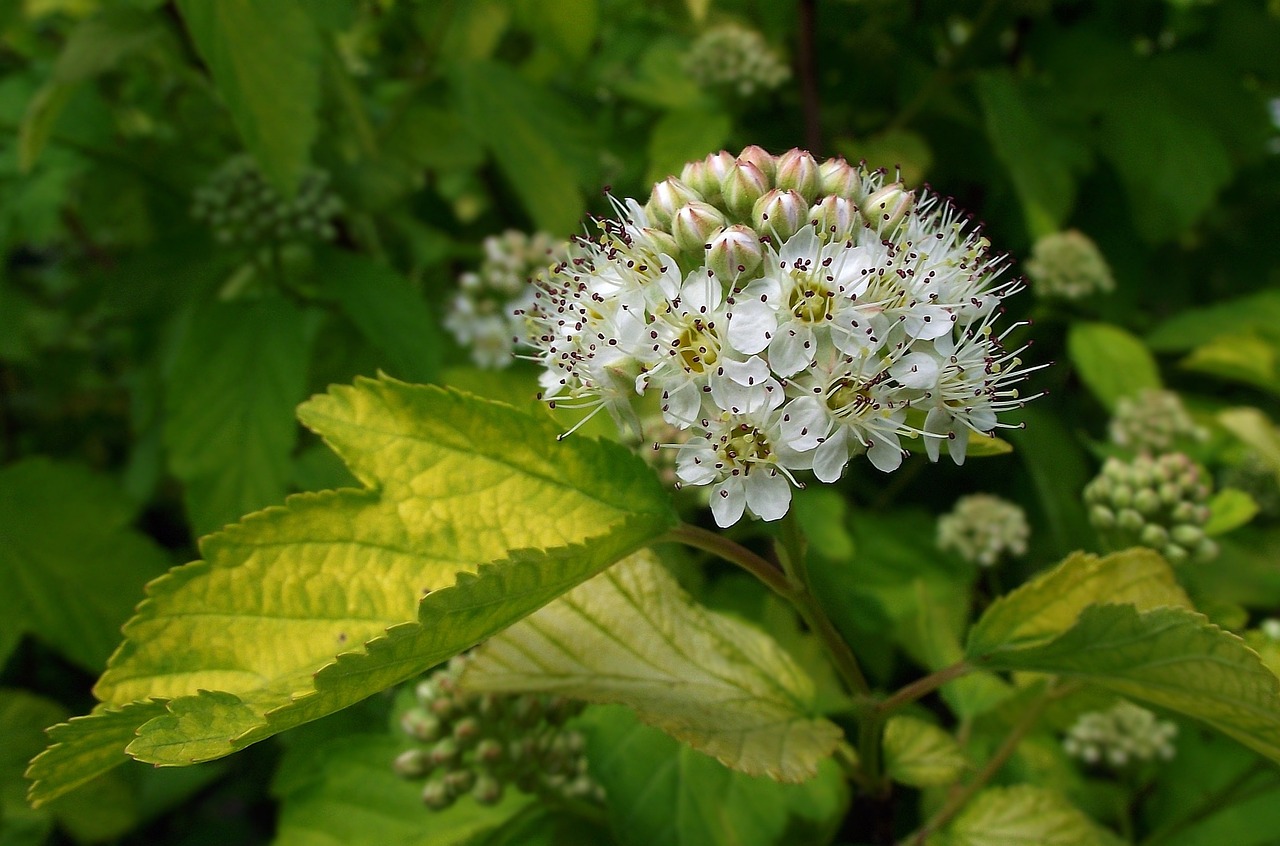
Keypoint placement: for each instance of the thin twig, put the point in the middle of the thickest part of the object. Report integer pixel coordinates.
(807, 60)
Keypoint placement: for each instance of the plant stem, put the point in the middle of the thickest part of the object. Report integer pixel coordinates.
(922, 687)
(735, 553)
(808, 62)
(961, 797)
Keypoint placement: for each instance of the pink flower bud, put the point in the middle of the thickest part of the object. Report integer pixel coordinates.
(838, 177)
(667, 198)
(762, 159)
(694, 225)
(735, 253)
(780, 214)
(742, 186)
(798, 171)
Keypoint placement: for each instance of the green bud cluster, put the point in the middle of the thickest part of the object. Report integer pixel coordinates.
(1153, 421)
(483, 744)
(737, 59)
(1068, 266)
(1160, 502)
(1121, 735)
(485, 314)
(241, 207)
(1256, 477)
(981, 528)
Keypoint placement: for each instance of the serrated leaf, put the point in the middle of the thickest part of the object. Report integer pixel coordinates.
(71, 568)
(302, 610)
(1229, 509)
(1110, 361)
(392, 316)
(1025, 815)
(682, 135)
(1051, 603)
(1170, 657)
(661, 791)
(1040, 159)
(346, 794)
(229, 426)
(264, 56)
(530, 133)
(631, 636)
(920, 754)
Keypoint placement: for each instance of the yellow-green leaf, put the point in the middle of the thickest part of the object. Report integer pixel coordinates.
(1229, 509)
(1110, 361)
(921, 754)
(1050, 603)
(631, 636)
(301, 610)
(1256, 431)
(1025, 815)
(1240, 357)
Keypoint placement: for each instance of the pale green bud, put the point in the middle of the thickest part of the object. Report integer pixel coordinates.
(798, 171)
(694, 225)
(836, 218)
(436, 795)
(696, 176)
(412, 763)
(886, 208)
(735, 253)
(488, 790)
(762, 159)
(444, 752)
(839, 178)
(742, 186)
(780, 214)
(420, 725)
(1154, 536)
(460, 781)
(667, 198)
(661, 241)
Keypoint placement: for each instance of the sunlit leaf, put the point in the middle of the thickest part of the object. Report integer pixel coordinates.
(1246, 358)
(1229, 509)
(631, 636)
(920, 754)
(1025, 815)
(1110, 361)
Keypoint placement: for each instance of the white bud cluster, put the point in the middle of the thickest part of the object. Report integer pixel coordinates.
(241, 206)
(791, 315)
(1068, 266)
(1153, 421)
(736, 58)
(1123, 734)
(486, 315)
(982, 528)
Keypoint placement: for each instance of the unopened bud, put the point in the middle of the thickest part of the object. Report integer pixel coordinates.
(798, 171)
(412, 763)
(836, 218)
(718, 166)
(436, 795)
(735, 253)
(667, 197)
(420, 725)
(489, 751)
(466, 730)
(660, 242)
(487, 790)
(838, 177)
(886, 208)
(762, 159)
(460, 781)
(742, 186)
(780, 214)
(694, 225)
(444, 752)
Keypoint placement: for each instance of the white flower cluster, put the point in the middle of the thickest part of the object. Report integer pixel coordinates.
(737, 58)
(791, 314)
(486, 313)
(1069, 266)
(981, 528)
(1153, 421)
(1123, 734)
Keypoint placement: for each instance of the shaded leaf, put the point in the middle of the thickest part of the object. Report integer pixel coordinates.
(631, 636)
(1110, 361)
(1229, 509)
(1194, 327)
(920, 754)
(98, 44)
(1025, 815)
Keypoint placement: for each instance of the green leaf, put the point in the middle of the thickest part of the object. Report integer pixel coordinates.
(822, 516)
(436, 138)
(392, 316)
(1246, 358)
(229, 426)
(1040, 159)
(660, 791)
(42, 114)
(264, 56)
(571, 25)
(1051, 603)
(71, 568)
(631, 636)
(1229, 509)
(920, 754)
(682, 135)
(896, 150)
(1189, 328)
(1255, 430)
(1111, 362)
(343, 792)
(1025, 815)
(1170, 657)
(1059, 470)
(98, 44)
(303, 610)
(532, 136)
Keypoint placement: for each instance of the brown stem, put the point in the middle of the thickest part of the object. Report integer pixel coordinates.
(922, 687)
(807, 61)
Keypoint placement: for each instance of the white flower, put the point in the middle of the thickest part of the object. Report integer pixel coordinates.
(783, 335)
(1123, 734)
(734, 57)
(983, 528)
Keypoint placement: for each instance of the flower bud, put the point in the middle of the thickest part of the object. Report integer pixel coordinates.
(886, 208)
(838, 177)
(735, 253)
(762, 159)
(489, 751)
(718, 166)
(742, 186)
(420, 725)
(798, 171)
(780, 214)
(1102, 517)
(444, 752)
(460, 781)
(696, 176)
(660, 242)
(836, 218)
(667, 197)
(412, 763)
(466, 730)
(436, 795)
(1129, 520)
(487, 790)
(1154, 536)
(694, 225)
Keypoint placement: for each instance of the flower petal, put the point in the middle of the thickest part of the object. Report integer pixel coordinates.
(768, 493)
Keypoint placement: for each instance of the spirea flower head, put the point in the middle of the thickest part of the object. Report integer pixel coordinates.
(486, 315)
(982, 528)
(1121, 735)
(481, 744)
(1068, 266)
(1160, 502)
(733, 57)
(791, 315)
(1153, 421)
(242, 207)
